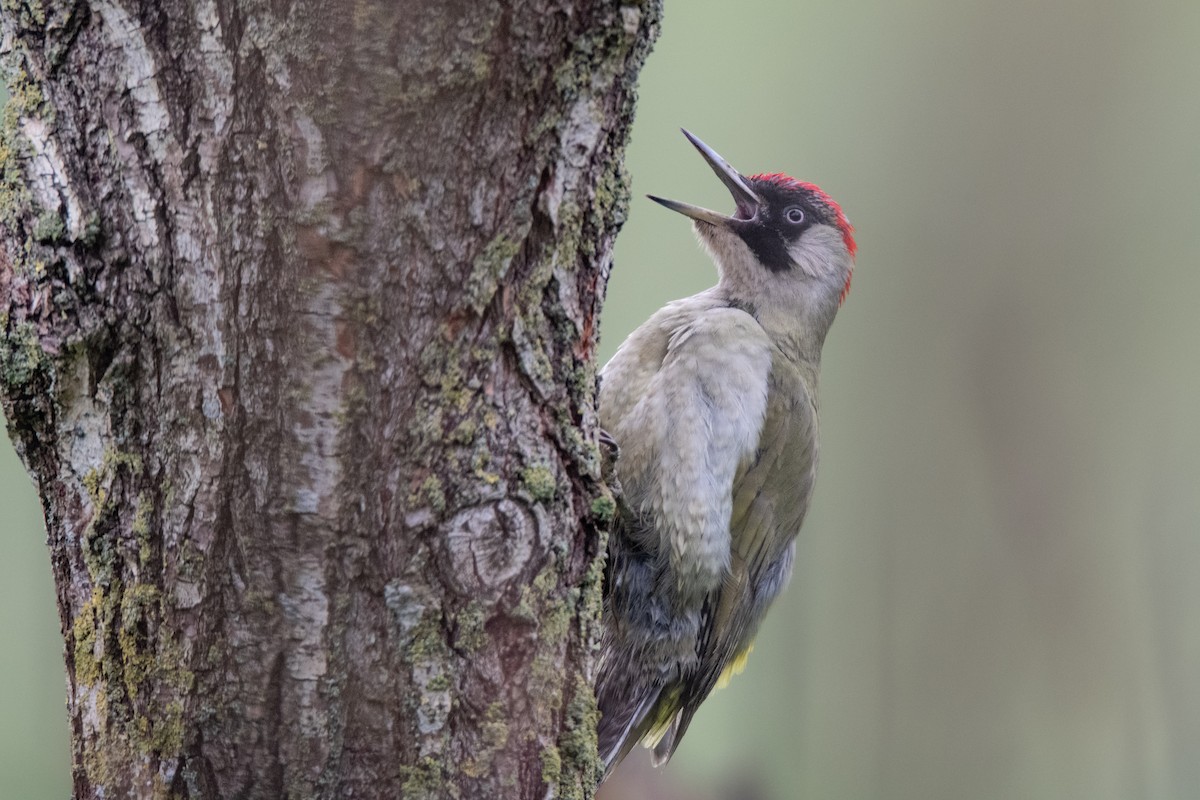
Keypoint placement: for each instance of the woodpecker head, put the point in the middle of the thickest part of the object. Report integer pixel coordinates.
(788, 246)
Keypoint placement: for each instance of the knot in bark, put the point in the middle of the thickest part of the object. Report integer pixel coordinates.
(490, 545)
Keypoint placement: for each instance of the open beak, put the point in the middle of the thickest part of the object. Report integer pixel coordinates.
(745, 198)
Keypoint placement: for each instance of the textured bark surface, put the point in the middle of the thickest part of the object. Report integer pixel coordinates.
(298, 305)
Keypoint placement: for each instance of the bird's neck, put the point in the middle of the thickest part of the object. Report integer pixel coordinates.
(799, 348)
(797, 331)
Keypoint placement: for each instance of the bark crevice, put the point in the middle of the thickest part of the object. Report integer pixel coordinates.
(297, 320)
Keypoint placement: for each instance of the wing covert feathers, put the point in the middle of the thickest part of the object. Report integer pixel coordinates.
(713, 490)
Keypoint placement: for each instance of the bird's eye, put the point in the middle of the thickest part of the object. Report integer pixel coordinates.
(794, 215)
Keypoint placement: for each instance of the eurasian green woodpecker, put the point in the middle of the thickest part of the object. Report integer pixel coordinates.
(712, 403)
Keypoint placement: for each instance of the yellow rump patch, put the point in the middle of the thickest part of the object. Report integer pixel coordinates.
(734, 667)
(664, 712)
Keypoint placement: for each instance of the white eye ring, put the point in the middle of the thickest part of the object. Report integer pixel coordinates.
(794, 215)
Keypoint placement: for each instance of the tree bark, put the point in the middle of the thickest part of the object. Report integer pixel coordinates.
(298, 305)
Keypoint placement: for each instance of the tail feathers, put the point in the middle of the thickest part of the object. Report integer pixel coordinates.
(657, 716)
(657, 722)
(621, 727)
(665, 748)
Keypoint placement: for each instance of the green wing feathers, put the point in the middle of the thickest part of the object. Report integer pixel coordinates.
(664, 650)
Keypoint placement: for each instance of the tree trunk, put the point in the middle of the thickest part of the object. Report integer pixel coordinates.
(298, 305)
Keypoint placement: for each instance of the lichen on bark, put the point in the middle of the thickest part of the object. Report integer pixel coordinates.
(298, 310)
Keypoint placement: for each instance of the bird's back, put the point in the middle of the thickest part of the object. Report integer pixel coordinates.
(667, 646)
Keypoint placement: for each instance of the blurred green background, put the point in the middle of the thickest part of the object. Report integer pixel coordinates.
(997, 592)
